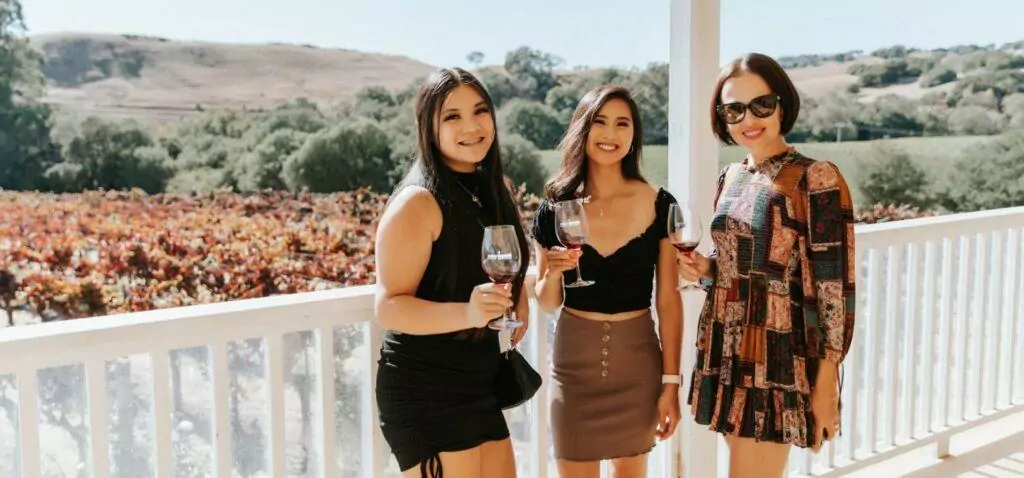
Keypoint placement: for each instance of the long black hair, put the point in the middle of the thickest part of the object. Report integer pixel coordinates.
(432, 173)
(570, 177)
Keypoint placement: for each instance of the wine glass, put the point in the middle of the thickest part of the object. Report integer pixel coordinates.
(572, 228)
(685, 231)
(501, 258)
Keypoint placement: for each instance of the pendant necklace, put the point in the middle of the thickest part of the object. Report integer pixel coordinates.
(472, 195)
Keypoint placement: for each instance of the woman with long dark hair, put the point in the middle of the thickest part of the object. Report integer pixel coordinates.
(436, 385)
(615, 384)
(779, 317)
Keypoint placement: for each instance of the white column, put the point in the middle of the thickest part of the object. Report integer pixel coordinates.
(692, 170)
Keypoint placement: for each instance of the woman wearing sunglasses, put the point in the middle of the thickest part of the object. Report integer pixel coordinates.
(779, 316)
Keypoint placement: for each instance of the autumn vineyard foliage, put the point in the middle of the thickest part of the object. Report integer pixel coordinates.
(96, 253)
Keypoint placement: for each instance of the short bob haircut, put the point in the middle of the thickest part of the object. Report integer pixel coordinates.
(778, 81)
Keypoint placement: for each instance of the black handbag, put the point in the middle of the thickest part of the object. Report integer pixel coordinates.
(517, 381)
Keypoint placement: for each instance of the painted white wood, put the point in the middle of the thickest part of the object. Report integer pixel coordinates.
(963, 352)
(28, 422)
(372, 434)
(963, 327)
(930, 329)
(946, 360)
(326, 428)
(275, 403)
(98, 411)
(120, 335)
(908, 407)
(875, 337)
(694, 27)
(892, 348)
(540, 330)
(162, 422)
(221, 382)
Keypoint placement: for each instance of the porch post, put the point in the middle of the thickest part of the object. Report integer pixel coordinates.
(692, 169)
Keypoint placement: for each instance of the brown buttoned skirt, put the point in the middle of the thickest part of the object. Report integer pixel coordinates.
(605, 384)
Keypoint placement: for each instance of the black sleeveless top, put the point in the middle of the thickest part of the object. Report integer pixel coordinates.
(468, 221)
(624, 280)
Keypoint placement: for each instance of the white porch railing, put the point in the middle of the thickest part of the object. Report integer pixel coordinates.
(246, 388)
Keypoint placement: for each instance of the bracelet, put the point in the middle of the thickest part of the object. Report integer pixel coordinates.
(676, 379)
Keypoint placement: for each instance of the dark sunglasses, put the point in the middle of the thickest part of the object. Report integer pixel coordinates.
(761, 107)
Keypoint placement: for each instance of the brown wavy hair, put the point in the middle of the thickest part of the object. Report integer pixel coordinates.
(568, 181)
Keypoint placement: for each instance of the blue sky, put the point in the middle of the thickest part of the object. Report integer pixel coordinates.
(583, 32)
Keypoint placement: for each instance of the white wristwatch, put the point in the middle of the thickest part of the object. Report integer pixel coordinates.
(676, 379)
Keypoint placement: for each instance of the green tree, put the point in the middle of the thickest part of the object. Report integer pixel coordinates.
(892, 178)
(261, 167)
(889, 116)
(500, 86)
(828, 118)
(534, 121)
(26, 150)
(349, 156)
(973, 120)
(989, 176)
(475, 58)
(937, 76)
(114, 155)
(650, 88)
(522, 163)
(533, 72)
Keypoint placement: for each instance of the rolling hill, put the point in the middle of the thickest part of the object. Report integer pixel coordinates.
(163, 80)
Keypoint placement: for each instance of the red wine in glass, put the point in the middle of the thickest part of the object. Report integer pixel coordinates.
(685, 231)
(685, 247)
(500, 258)
(572, 229)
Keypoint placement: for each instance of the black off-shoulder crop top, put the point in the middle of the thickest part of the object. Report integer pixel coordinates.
(624, 280)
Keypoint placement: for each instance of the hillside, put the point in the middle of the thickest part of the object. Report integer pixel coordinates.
(158, 79)
(161, 79)
(937, 155)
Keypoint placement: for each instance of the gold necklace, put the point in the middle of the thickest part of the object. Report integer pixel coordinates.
(471, 194)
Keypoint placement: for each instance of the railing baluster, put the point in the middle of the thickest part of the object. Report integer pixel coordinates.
(909, 405)
(946, 337)
(28, 423)
(325, 345)
(163, 446)
(963, 325)
(1005, 335)
(977, 323)
(376, 459)
(929, 328)
(946, 359)
(1016, 308)
(540, 327)
(892, 349)
(874, 324)
(99, 432)
(851, 390)
(275, 403)
(221, 409)
(994, 322)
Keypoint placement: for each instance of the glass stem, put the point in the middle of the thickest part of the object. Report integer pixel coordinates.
(579, 275)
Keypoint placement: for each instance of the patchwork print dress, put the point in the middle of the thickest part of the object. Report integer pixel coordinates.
(782, 297)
